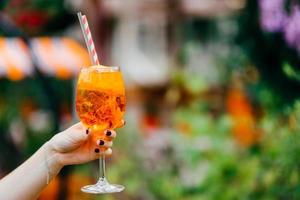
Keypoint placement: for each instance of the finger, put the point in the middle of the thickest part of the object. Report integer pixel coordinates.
(121, 123)
(76, 135)
(98, 153)
(108, 152)
(110, 134)
(77, 126)
(103, 143)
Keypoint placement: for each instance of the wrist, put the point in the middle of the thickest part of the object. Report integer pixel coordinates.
(52, 159)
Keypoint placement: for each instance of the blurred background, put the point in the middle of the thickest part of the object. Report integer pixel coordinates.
(212, 86)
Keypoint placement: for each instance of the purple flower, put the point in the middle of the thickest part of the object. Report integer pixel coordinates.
(292, 28)
(272, 15)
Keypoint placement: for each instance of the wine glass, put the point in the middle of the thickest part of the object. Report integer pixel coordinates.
(100, 105)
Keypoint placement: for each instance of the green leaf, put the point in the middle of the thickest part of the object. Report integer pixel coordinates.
(290, 72)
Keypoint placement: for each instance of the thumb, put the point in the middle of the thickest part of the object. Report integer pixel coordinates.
(77, 133)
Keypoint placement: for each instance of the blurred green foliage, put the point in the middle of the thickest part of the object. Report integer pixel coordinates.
(208, 164)
(272, 56)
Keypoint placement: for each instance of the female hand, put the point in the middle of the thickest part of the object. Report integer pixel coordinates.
(73, 146)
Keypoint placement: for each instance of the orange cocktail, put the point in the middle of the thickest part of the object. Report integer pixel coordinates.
(100, 101)
(100, 105)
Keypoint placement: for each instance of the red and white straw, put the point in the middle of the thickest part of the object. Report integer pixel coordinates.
(88, 38)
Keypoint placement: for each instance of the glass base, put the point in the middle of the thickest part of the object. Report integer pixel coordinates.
(102, 187)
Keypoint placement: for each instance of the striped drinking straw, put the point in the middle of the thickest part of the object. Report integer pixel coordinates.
(88, 38)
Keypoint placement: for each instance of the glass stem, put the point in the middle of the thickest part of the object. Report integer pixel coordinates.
(102, 167)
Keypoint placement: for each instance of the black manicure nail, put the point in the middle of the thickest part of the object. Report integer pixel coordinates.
(101, 142)
(87, 131)
(97, 150)
(108, 133)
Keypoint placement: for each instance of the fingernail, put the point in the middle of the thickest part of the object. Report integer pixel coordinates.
(87, 131)
(108, 133)
(101, 142)
(97, 150)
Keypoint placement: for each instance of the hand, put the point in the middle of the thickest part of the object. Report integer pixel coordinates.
(73, 145)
